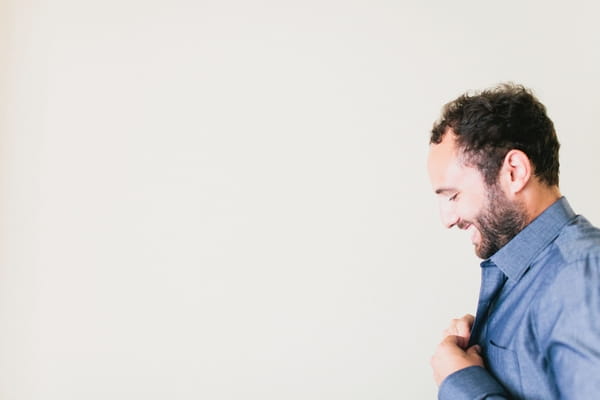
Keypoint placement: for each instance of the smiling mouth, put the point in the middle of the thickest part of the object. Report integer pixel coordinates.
(463, 225)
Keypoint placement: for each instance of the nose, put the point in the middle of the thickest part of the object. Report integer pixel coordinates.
(448, 214)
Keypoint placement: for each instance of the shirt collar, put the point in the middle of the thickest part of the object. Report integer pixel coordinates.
(516, 256)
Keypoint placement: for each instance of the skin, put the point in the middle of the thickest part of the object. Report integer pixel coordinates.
(463, 200)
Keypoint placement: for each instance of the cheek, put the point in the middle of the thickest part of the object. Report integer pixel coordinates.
(444, 205)
(469, 209)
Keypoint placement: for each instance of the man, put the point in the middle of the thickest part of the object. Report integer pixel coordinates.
(493, 164)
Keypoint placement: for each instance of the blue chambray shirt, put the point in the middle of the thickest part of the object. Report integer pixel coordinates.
(541, 338)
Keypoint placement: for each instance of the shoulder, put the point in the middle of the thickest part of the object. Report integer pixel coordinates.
(576, 261)
(571, 259)
(572, 277)
(578, 240)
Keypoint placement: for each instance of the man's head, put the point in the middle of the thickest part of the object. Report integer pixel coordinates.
(493, 163)
(489, 124)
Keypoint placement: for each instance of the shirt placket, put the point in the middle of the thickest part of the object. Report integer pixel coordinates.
(492, 281)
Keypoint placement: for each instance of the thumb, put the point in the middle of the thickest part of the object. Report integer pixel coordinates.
(474, 354)
(475, 349)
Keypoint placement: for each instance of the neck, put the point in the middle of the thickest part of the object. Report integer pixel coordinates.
(539, 198)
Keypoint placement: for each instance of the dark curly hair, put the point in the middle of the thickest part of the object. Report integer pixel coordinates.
(492, 122)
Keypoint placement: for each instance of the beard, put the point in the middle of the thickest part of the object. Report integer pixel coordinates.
(499, 222)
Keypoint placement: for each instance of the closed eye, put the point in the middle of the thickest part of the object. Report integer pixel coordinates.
(453, 197)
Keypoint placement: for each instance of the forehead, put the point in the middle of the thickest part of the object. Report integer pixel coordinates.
(447, 169)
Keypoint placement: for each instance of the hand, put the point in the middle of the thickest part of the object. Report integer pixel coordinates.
(461, 327)
(450, 357)
(452, 353)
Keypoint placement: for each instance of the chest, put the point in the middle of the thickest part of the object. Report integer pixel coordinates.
(510, 346)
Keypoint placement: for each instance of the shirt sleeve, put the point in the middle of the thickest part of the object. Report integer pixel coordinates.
(569, 324)
(472, 383)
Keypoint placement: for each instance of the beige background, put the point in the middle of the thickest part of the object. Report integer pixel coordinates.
(228, 199)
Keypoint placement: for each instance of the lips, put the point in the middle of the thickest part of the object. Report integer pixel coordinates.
(463, 225)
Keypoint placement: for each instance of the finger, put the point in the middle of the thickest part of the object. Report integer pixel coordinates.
(462, 329)
(453, 327)
(469, 319)
(474, 354)
(475, 349)
(454, 340)
(463, 325)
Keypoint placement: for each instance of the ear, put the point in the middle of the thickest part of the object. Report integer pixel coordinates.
(516, 171)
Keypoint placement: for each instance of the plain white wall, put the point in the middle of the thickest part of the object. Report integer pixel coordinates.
(228, 199)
